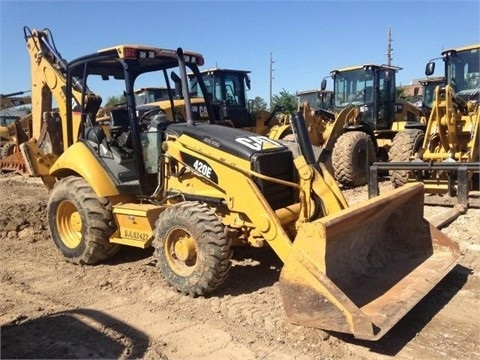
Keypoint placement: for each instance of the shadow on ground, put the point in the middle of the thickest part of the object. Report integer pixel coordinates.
(75, 334)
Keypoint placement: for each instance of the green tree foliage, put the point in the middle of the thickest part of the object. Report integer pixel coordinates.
(400, 91)
(286, 100)
(27, 109)
(115, 100)
(258, 104)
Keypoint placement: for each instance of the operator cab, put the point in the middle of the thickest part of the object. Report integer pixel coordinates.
(126, 139)
(371, 88)
(227, 92)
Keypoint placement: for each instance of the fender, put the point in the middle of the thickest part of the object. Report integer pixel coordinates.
(88, 168)
(278, 131)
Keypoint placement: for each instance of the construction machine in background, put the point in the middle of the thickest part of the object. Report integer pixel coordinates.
(368, 116)
(193, 191)
(425, 103)
(8, 101)
(359, 129)
(147, 95)
(447, 161)
(316, 99)
(227, 93)
(15, 127)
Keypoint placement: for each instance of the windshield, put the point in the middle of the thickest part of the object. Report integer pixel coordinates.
(6, 120)
(310, 98)
(228, 87)
(463, 71)
(429, 92)
(316, 99)
(150, 95)
(353, 87)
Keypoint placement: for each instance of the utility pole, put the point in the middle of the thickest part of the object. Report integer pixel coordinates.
(389, 48)
(271, 78)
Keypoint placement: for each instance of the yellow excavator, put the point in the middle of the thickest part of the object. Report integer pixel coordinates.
(195, 191)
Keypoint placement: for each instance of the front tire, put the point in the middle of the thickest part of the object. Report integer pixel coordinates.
(349, 158)
(192, 248)
(405, 144)
(81, 223)
(7, 150)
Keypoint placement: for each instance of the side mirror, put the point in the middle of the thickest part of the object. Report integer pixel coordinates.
(247, 82)
(430, 68)
(323, 84)
(250, 105)
(178, 84)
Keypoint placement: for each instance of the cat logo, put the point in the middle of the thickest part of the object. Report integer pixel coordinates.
(258, 142)
(201, 110)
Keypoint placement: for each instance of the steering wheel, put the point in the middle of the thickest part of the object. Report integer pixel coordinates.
(145, 119)
(230, 100)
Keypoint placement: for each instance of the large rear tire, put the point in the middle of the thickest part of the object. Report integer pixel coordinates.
(192, 248)
(349, 158)
(405, 144)
(81, 223)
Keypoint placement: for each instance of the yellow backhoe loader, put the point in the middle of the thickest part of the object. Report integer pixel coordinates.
(447, 160)
(194, 191)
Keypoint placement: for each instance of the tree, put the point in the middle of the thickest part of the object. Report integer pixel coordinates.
(258, 104)
(286, 100)
(116, 100)
(27, 109)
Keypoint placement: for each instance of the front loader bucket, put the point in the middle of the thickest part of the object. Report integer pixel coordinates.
(361, 270)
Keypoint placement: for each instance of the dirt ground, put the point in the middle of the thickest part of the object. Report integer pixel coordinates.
(123, 309)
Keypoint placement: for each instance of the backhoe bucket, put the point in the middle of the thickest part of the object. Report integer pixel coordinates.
(361, 270)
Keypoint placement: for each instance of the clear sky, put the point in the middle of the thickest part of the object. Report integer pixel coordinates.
(307, 39)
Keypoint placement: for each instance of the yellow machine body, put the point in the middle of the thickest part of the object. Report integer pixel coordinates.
(451, 135)
(447, 161)
(355, 269)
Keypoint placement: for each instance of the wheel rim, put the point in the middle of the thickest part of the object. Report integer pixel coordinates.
(181, 252)
(69, 224)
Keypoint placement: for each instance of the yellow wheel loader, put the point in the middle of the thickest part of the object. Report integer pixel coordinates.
(448, 158)
(194, 191)
(360, 126)
(425, 104)
(226, 90)
(15, 125)
(316, 99)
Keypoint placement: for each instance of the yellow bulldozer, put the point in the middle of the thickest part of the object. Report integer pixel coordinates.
(195, 191)
(447, 160)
